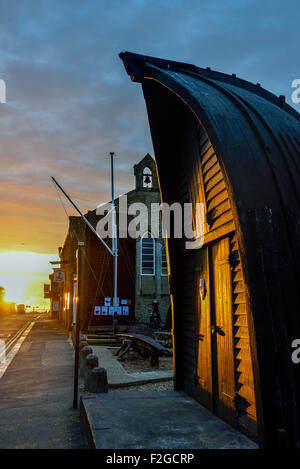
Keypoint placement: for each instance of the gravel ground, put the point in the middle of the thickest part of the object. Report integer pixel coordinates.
(134, 363)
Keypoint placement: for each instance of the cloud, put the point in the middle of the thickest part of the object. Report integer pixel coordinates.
(70, 101)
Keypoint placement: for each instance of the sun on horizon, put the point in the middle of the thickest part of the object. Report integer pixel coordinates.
(23, 274)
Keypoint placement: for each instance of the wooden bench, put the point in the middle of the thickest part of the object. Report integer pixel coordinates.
(144, 346)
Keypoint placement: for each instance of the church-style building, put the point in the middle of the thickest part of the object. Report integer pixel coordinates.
(142, 264)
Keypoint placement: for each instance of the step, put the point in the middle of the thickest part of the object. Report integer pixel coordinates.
(111, 341)
(100, 336)
(105, 329)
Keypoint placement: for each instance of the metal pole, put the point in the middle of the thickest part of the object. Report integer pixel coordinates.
(77, 328)
(112, 199)
(81, 214)
(114, 245)
(74, 303)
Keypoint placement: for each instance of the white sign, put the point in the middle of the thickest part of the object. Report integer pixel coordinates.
(97, 310)
(104, 310)
(59, 276)
(107, 301)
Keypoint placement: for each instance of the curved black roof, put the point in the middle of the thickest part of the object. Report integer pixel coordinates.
(140, 66)
(256, 137)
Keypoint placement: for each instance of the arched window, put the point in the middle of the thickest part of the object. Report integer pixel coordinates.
(164, 266)
(147, 254)
(147, 178)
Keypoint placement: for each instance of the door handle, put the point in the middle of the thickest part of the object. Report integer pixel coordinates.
(217, 329)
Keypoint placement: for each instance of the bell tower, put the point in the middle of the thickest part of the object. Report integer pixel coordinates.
(145, 174)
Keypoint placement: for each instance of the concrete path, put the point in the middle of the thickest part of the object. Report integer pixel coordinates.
(155, 419)
(117, 376)
(11, 323)
(36, 393)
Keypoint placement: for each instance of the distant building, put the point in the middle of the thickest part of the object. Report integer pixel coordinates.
(62, 291)
(142, 265)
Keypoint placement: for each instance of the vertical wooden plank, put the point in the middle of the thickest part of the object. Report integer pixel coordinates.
(203, 378)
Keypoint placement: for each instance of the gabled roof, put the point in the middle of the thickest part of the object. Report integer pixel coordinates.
(147, 159)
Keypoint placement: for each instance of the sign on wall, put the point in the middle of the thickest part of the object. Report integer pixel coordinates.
(109, 310)
(59, 276)
(107, 301)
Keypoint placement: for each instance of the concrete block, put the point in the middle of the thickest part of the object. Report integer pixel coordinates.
(91, 361)
(83, 343)
(83, 353)
(97, 380)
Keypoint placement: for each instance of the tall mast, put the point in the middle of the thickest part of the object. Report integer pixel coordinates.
(114, 244)
(82, 216)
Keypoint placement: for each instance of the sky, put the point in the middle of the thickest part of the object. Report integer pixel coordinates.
(70, 101)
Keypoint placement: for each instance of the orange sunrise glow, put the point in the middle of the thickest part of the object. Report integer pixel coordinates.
(23, 274)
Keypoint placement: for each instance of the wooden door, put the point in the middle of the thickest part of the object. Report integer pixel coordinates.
(221, 330)
(203, 376)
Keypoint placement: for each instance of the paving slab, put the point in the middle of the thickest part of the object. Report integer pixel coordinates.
(117, 376)
(155, 420)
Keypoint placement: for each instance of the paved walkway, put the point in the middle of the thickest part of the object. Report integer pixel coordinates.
(155, 419)
(36, 393)
(117, 376)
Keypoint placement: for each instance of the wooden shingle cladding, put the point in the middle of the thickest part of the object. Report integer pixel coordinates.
(245, 403)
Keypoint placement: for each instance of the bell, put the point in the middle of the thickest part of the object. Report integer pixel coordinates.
(147, 179)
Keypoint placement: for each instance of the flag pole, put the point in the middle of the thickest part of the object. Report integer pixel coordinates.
(114, 245)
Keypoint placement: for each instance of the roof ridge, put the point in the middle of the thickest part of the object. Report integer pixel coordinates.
(134, 63)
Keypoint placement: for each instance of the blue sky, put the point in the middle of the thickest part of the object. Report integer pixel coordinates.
(70, 102)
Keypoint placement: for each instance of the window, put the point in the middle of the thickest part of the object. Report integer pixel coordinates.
(147, 254)
(147, 178)
(164, 266)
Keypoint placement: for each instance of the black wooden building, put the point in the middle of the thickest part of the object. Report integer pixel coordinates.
(234, 147)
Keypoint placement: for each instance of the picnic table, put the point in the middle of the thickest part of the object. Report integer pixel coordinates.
(144, 346)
